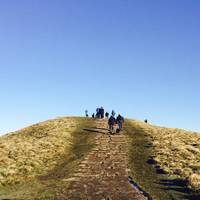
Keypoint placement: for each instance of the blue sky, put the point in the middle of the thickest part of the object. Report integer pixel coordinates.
(141, 58)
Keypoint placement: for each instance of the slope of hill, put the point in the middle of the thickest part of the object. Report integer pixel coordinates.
(33, 150)
(173, 153)
(35, 153)
(37, 162)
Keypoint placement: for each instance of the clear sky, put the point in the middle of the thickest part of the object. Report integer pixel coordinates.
(140, 58)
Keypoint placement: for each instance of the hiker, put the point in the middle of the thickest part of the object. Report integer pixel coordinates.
(102, 112)
(120, 121)
(93, 115)
(107, 114)
(111, 123)
(146, 121)
(97, 113)
(86, 113)
(113, 113)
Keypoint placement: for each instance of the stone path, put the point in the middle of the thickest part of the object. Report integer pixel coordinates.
(103, 174)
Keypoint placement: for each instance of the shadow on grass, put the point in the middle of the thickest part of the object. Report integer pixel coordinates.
(179, 185)
(174, 182)
(105, 129)
(95, 131)
(82, 143)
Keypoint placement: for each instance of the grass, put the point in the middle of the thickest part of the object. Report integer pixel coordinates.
(162, 159)
(37, 161)
(43, 158)
(144, 174)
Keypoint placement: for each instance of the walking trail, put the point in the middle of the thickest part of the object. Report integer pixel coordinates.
(103, 174)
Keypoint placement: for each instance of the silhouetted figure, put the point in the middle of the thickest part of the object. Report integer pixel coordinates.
(102, 112)
(86, 113)
(113, 113)
(97, 113)
(120, 121)
(93, 115)
(146, 121)
(107, 114)
(111, 123)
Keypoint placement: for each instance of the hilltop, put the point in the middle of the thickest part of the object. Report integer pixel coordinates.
(36, 161)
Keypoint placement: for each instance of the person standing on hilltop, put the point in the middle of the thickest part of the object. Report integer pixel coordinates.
(113, 113)
(97, 112)
(107, 114)
(120, 121)
(86, 113)
(102, 112)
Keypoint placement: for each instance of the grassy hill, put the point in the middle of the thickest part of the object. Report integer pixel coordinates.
(40, 155)
(36, 161)
(165, 161)
(175, 151)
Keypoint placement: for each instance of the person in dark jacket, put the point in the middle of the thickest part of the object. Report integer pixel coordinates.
(113, 113)
(86, 113)
(107, 114)
(102, 112)
(98, 113)
(120, 121)
(111, 123)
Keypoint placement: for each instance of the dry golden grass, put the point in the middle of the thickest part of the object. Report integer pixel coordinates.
(34, 150)
(176, 151)
(194, 180)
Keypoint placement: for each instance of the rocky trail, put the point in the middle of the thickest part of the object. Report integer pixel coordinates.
(103, 173)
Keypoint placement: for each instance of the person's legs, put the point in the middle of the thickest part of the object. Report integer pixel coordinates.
(111, 128)
(120, 125)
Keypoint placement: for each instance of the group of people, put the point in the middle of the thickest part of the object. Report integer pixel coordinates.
(112, 121)
(99, 113)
